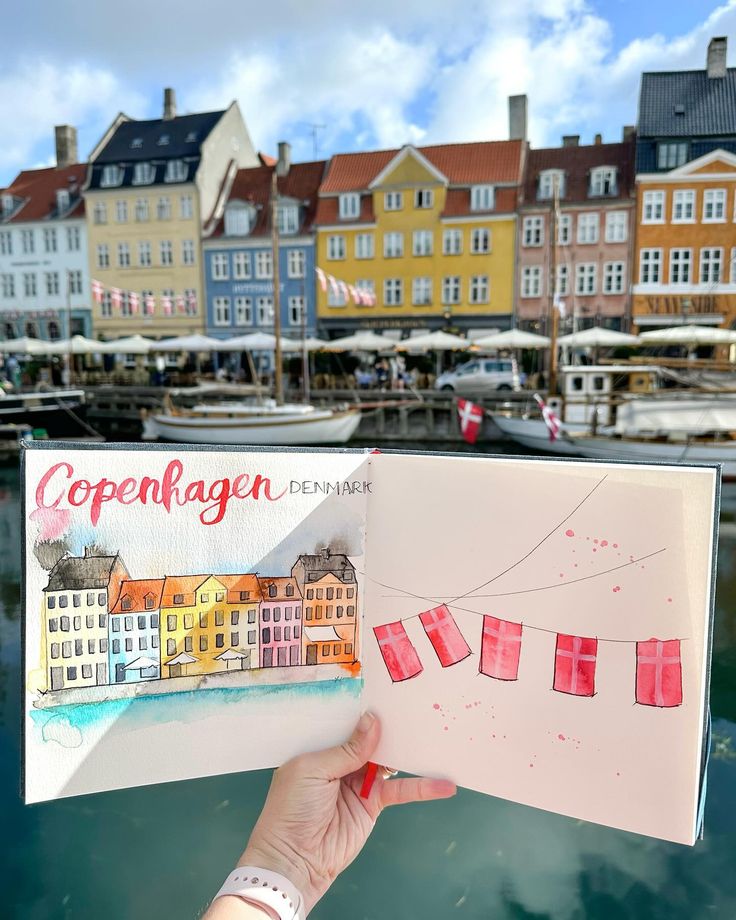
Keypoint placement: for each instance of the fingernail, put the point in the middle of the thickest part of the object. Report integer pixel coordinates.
(366, 720)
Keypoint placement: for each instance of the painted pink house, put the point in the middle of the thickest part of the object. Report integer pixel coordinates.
(280, 622)
(595, 230)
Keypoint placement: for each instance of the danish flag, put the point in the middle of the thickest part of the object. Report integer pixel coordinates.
(133, 301)
(550, 419)
(97, 291)
(471, 418)
(180, 306)
(149, 304)
(166, 304)
(322, 278)
(116, 297)
(192, 302)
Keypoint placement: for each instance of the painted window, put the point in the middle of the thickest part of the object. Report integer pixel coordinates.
(296, 263)
(393, 201)
(613, 277)
(423, 198)
(73, 239)
(421, 291)
(123, 255)
(336, 247)
(296, 310)
(7, 285)
(186, 207)
(163, 208)
(451, 288)
(112, 176)
(49, 239)
(393, 292)
(219, 266)
(187, 252)
(121, 212)
(288, 218)
(143, 174)
(714, 205)
(244, 313)
(393, 245)
(28, 242)
(452, 242)
(603, 181)
(547, 180)
(222, 315)
(30, 288)
(711, 265)
(479, 289)
(264, 308)
(6, 242)
(166, 252)
(241, 266)
(52, 283)
(563, 279)
(364, 246)
(176, 171)
(264, 265)
(422, 243)
(141, 209)
(144, 254)
(480, 240)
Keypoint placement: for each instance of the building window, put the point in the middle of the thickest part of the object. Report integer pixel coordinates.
(479, 289)
(73, 239)
(27, 242)
(29, 284)
(393, 245)
(167, 252)
(533, 231)
(75, 281)
(714, 205)
(563, 279)
(222, 311)
(531, 281)
(335, 247)
(671, 154)
(547, 180)
(296, 310)
(171, 647)
(393, 292)
(6, 242)
(264, 265)
(121, 212)
(613, 277)
(141, 209)
(264, 307)
(603, 182)
(711, 265)
(680, 265)
(393, 201)
(112, 176)
(186, 207)
(288, 218)
(8, 285)
(451, 289)
(452, 242)
(163, 208)
(422, 243)
(650, 266)
(241, 266)
(653, 207)
(588, 225)
(143, 174)
(187, 252)
(482, 198)
(683, 206)
(423, 198)
(176, 171)
(366, 286)
(244, 311)
(296, 262)
(480, 240)
(144, 254)
(49, 239)
(239, 219)
(123, 255)
(364, 247)
(52, 283)
(71, 673)
(219, 265)
(586, 279)
(616, 226)
(349, 206)
(421, 291)
(106, 305)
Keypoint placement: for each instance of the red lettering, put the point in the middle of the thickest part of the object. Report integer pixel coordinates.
(45, 479)
(266, 483)
(172, 475)
(219, 493)
(154, 486)
(127, 487)
(83, 486)
(194, 492)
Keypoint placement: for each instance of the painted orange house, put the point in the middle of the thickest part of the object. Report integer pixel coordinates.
(328, 584)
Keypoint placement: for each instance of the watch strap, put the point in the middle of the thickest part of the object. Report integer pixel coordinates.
(261, 886)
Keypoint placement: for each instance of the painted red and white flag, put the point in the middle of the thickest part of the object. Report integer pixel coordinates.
(192, 303)
(471, 419)
(97, 289)
(442, 631)
(399, 655)
(116, 297)
(181, 306)
(500, 649)
(133, 301)
(321, 277)
(550, 419)
(166, 304)
(149, 304)
(659, 673)
(575, 660)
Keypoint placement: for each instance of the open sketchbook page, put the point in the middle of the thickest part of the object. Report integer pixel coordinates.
(188, 612)
(537, 630)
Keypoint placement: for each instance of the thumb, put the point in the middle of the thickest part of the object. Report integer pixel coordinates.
(336, 762)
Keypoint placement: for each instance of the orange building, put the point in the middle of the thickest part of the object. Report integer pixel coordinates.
(328, 584)
(685, 269)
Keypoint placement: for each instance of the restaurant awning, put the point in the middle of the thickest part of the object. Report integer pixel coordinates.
(182, 658)
(322, 634)
(141, 664)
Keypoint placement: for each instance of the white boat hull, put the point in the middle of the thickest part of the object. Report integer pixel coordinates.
(533, 433)
(603, 448)
(318, 427)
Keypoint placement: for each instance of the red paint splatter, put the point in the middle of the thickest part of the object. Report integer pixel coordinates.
(616, 589)
(595, 550)
(561, 737)
(569, 533)
(669, 600)
(436, 706)
(531, 764)
(604, 542)
(562, 574)
(595, 541)
(446, 728)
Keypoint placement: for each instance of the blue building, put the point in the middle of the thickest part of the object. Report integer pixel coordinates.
(238, 252)
(134, 631)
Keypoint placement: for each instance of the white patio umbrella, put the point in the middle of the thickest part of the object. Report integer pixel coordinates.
(141, 664)
(231, 654)
(361, 341)
(25, 346)
(513, 338)
(195, 343)
(130, 345)
(434, 341)
(253, 341)
(79, 345)
(689, 335)
(597, 337)
(308, 344)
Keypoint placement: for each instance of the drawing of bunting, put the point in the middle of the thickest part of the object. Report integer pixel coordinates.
(399, 655)
(575, 660)
(442, 631)
(471, 419)
(322, 278)
(500, 649)
(659, 673)
(97, 289)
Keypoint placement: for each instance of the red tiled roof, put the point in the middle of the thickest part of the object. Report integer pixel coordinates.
(280, 584)
(328, 211)
(577, 163)
(462, 164)
(457, 203)
(254, 185)
(237, 583)
(38, 188)
(266, 160)
(136, 592)
(181, 584)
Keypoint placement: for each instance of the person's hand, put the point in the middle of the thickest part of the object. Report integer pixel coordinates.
(315, 823)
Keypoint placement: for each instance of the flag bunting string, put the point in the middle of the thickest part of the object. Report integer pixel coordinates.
(131, 303)
(343, 291)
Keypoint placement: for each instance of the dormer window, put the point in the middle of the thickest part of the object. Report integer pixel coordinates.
(191, 138)
(136, 143)
(482, 198)
(176, 171)
(349, 206)
(547, 181)
(288, 217)
(62, 200)
(143, 174)
(149, 602)
(127, 603)
(272, 590)
(112, 176)
(239, 219)
(8, 204)
(163, 141)
(289, 591)
(603, 182)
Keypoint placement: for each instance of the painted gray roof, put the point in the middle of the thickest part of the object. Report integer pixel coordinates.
(337, 563)
(709, 104)
(79, 573)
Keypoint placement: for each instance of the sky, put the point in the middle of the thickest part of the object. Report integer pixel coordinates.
(330, 76)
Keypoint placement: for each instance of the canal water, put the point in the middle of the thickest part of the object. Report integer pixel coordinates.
(163, 850)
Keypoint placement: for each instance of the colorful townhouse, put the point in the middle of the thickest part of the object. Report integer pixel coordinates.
(44, 279)
(79, 593)
(242, 603)
(587, 194)
(238, 251)
(328, 585)
(685, 269)
(151, 187)
(133, 631)
(280, 622)
(429, 231)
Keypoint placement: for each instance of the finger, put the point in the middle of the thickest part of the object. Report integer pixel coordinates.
(336, 762)
(415, 789)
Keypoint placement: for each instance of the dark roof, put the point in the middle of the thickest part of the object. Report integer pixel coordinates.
(79, 573)
(577, 162)
(185, 136)
(334, 563)
(35, 192)
(709, 104)
(254, 186)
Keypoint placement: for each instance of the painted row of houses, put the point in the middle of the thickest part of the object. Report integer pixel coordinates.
(103, 627)
(177, 212)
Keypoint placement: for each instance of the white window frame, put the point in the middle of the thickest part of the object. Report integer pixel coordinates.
(166, 252)
(422, 243)
(681, 265)
(480, 289)
(650, 264)
(121, 211)
(296, 263)
(264, 265)
(335, 247)
(614, 277)
(163, 208)
(144, 173)
(617, 227)
(142, 210)
(532, 232)
(349, 205)
(421, 291)
(176, 171)
(546, 186)
(145, 257)
(221, 311)
(393, 201)
(49, 239)
(112, 176)
(393, 292)
(711, 265)
(671, 154)
(652, 206)
(288, 218)
(73, 239)
(423, 198)
(452, 241)
(586, 279)
(186, 207)
(365, 245)
(563, 279)
(188, 253)
(684, 200)
(242, 269)
(52, 283)
(243, 310)
(714, 199)
(99, 213)
(531, 281)
(368, 285)
(452, 289)
(604, 182)
(589, 228)
(264, 310)
(123, 255)
(482, 198)
(75, 281)
(103, 255)
(393, 244)
(564, 230)
(480, 241)
(219, 266)
(297, 309)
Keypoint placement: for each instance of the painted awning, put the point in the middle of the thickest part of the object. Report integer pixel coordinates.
(183, 658)
(230, 654)
(141, 663)
(322, 634)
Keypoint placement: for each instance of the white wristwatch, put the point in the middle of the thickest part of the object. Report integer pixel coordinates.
(261, 886)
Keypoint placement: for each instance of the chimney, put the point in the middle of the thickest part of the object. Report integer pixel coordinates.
(517, 117)
(570, 140)
(628, 133)
(66, 145)
(169, 104)
(283, 165)
(325, 552)
(598, 140)
(717, 52)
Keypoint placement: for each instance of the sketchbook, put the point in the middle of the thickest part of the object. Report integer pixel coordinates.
(533, 629)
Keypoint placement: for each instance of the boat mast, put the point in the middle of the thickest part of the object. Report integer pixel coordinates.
(553, 297)
(278, 375)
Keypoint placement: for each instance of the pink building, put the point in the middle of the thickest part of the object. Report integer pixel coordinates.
(280, 622)
(595, 228)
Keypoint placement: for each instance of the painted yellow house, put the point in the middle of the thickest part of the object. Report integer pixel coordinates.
(430, 231)
(151, 186)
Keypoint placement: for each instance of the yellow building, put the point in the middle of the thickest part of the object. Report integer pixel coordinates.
(151, 187)
(429, 230)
